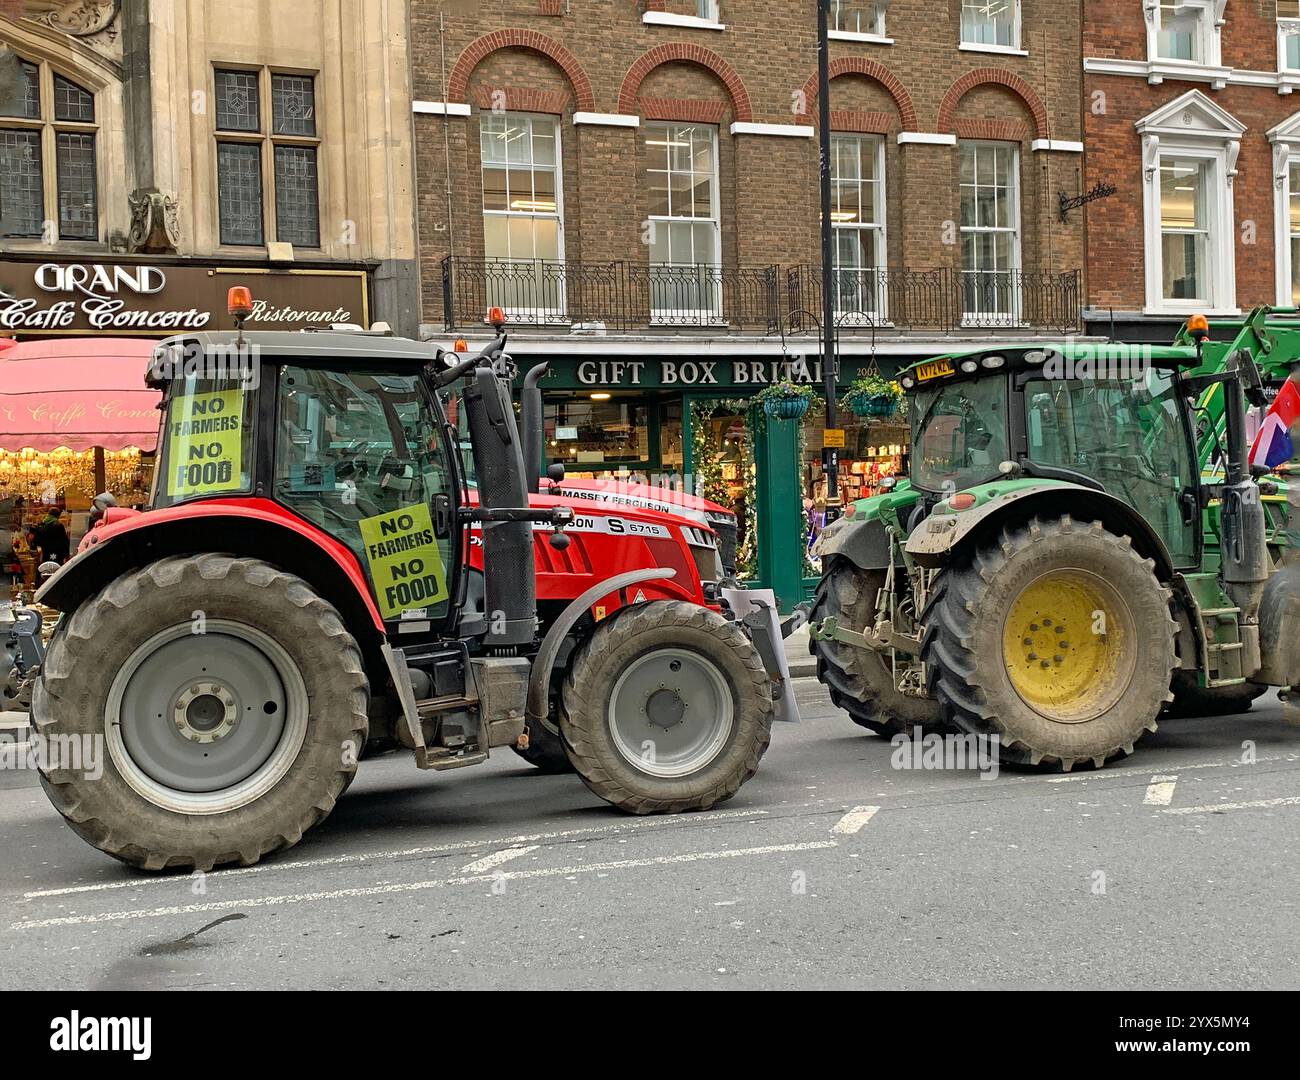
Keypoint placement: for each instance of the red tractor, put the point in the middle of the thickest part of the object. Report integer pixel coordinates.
(315, 570)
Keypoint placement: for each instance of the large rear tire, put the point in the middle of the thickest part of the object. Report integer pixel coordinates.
(231, 704)
(666, 708)
(860, 680)
(1058, 639)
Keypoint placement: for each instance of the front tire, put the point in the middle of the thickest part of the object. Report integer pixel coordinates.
(1058, 639)
(666, 708)
(860, 681)
(230, 700)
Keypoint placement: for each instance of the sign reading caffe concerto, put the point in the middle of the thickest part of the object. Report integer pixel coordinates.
(62, 297)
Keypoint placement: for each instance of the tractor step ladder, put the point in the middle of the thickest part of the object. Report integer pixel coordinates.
(1223, 646)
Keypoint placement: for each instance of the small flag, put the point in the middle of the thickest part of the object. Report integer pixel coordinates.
(1273, 443)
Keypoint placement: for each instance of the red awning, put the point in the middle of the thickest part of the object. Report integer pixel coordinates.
(77, 393)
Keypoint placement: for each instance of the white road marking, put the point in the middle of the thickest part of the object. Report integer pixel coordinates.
(1107, 774)
(478, 866)
(1160, 792)
(417, 886)
(1255, 804)
(854, 820)
(617, 826)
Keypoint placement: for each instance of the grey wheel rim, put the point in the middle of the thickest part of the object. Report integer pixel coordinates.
(671, 713)
(206, 723)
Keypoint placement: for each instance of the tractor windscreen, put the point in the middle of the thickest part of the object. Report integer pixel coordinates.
(361, 456)
(206, 440)
(960, 433)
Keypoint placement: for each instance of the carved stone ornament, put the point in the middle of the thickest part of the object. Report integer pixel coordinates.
(79, 18)
(155, 225)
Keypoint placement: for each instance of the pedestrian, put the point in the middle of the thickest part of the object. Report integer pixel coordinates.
(52, 538)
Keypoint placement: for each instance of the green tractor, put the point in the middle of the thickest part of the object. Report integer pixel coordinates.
(1082, 545)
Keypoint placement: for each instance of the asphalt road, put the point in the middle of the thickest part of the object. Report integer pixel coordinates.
(1176, 869)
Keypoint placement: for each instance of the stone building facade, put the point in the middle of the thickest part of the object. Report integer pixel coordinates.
(269, 142)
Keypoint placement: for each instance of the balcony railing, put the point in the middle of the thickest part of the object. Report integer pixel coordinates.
(612, 295)
(625, 297)
(941, 298)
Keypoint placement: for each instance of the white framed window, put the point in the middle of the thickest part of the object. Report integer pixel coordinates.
(858, 217)
(1286, 209)
(990, 25)
(1184, 32)
(989, 179)
(707, 10)
(523, 218)
(684, 231)
(1185, 228)
(1288, 35)
(857, 20)
(1189, 150)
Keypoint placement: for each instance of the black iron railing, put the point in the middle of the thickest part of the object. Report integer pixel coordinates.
(612, 295)
(940, 298)
(626, 297)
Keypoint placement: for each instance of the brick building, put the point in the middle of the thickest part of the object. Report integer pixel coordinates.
(1190, 116)
(636, 182)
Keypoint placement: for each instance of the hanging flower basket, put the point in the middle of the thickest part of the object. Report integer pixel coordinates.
(790, 408)
(786, 400)
(878, 407)
(871, 394)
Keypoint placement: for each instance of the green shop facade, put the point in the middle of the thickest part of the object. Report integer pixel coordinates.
(691, 422)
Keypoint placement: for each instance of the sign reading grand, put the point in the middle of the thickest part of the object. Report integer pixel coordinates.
(57, 298)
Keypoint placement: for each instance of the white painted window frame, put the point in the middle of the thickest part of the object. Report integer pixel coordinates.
(1211, 35)
(1014, 48)
(558, 314)
(673, 315)
(879, 230)
(977, 318)
(1285, 139)
(1221, 263)
(1287, 26)
(876, 36)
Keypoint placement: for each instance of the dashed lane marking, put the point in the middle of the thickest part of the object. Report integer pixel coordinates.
(613, 828)
(854, 820)
(489, 862)
(1254, 804)
(1160, 792)
(417, 886)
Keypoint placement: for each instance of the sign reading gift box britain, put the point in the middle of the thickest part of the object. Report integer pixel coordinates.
(59, 298)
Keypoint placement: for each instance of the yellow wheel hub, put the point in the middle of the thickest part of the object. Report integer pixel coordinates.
(1068, 645)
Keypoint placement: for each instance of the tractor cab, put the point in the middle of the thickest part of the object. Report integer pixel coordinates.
(1112, 419)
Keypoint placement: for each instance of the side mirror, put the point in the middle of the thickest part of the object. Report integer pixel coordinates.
(555, 472)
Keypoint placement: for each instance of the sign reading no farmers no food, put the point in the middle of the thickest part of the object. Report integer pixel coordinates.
(205, 444)
(405, 562)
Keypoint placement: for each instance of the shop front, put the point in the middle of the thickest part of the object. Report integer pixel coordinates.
(46, 295)
(697, 424)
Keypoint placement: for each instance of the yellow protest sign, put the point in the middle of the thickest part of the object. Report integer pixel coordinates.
(205, 443)
(405, 561)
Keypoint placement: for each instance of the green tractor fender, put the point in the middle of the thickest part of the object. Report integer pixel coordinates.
(862, 536)
(1009, 502)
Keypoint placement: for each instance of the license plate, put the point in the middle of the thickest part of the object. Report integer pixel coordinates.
(935, 369)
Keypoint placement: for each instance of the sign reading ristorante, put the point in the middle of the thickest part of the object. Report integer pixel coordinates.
(143, 299)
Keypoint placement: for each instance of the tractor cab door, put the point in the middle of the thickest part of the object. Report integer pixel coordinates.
(1131, 435)
(363, 455)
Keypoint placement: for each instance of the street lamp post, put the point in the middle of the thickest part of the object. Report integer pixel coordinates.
(830, 364)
